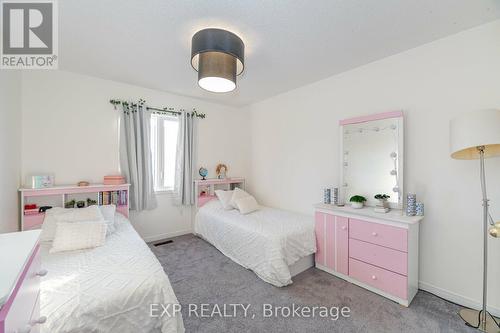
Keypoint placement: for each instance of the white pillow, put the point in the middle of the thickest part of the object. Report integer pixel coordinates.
(78, 235)
(108, 213)
(237, 194)
(91, 213)
(225, 198)
(247, 204)
(49, 223)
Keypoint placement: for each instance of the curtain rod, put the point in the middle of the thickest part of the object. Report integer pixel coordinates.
(165, 110)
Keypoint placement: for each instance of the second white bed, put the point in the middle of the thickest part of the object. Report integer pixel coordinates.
(268, 241)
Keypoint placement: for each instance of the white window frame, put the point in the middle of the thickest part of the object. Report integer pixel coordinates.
(158, 159)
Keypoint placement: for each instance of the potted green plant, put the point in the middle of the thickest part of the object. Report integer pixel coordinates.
(382, 199)
(70, 204)
(357, 201)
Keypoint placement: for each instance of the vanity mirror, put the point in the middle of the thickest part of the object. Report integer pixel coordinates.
(372, 157)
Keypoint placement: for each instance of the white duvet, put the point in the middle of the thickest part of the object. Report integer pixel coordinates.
(107, 289)
(266, 241)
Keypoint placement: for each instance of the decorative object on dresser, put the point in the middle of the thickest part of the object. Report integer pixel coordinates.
(83, 183)
(64, 196)
(204, 190)
(114, 180)
(411, 204)
(382, 205)
(419, 209)
(203, 172)
(335, 195)
(221, 171)
(476, 135)
(327, 196)
(376, 251)
(39, 181)
(357, 201)
(20, 282)
(371, 156)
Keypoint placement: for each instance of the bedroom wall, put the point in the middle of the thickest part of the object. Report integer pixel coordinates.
(10, 148)
(295, 149)
(71, 130)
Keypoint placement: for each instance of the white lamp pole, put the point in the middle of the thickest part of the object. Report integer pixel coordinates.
(476, 135)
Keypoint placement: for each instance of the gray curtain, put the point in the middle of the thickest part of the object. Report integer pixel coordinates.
(186, 159)
(135, 155)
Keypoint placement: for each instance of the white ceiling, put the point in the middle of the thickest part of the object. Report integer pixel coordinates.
(288, 43)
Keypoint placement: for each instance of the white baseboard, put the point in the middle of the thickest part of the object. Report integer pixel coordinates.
(167, 235)
(456, 298)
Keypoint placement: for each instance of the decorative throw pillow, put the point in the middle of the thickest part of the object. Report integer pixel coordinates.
(225, 198)
(72, 236)
(91, 213)
(237, 194)
(50, 223)
(108, 213)
(247, 204)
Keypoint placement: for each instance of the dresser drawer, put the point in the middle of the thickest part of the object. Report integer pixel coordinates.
(380, 234)
(393, 260)
(389, 282)
(23, 300)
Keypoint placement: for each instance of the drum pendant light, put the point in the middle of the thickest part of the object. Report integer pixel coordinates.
(218, 57)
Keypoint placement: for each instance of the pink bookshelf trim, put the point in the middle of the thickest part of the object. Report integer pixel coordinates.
(378, 116)
(200, 182)
(57, 190)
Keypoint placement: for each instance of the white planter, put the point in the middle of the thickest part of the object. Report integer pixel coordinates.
(356, 205)
(383, 203)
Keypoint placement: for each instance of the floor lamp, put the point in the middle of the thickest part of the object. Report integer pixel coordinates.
(476, 135)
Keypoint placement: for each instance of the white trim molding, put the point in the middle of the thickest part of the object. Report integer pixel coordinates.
(167, 235)
(456, 298)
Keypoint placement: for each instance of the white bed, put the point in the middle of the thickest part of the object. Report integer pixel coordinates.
(273, 243)
(106, 289)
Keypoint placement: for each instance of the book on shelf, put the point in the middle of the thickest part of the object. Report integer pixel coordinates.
(117, 198)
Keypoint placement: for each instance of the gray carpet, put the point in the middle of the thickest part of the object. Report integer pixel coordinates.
(199, 273)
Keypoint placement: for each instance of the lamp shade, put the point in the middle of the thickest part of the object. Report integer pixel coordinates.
(218, 57)
(474, 129)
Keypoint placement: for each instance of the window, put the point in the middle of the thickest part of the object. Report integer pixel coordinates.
(164, 130)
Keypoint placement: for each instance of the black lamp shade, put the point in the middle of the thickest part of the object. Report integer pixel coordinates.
(218, 57)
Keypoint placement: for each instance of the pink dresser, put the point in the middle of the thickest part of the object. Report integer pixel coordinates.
(373, 250)
(20, 282)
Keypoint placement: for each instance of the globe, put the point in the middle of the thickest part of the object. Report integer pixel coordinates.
(203, 172)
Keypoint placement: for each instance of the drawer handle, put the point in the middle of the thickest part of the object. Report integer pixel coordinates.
(374, 277)
(42, 272)
(374, 234)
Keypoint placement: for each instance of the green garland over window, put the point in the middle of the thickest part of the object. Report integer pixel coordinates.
(166, 110)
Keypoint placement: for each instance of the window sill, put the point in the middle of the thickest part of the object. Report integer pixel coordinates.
(169, 193)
